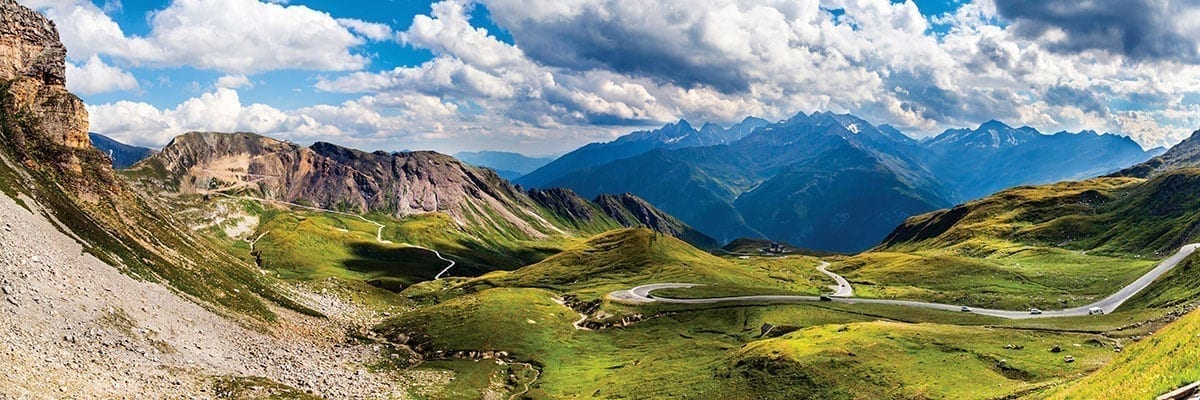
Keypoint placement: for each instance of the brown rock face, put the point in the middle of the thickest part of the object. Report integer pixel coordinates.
(29, 46)
(334, 177)
(43, 115)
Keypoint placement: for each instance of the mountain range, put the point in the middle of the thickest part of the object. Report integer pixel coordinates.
(506, 164)
(399, 184)
(122, 155)
(672, 136)
(1182, 155)
(825, 181)
(995, 156)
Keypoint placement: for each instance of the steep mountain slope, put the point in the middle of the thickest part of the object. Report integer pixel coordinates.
(46, 155)
(631, 211)
(995, 156)
(1184, 154)
(739, 189)
(844, 191)
(1146, 369)
(122, 155)
(672, 136)
(105, 296)
(1107, 215)
(508, 165)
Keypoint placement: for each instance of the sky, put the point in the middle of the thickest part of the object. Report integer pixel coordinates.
(546, 76)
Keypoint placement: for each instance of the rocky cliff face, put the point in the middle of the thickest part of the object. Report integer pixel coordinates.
(44, 122)
(334, 177)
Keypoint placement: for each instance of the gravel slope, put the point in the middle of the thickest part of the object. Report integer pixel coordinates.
(72, 326)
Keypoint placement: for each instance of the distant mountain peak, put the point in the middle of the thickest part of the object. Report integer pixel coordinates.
(682, 124)
(122, 155)
(990, 134)
(1184, 154)
(994, 124)
(753, 120)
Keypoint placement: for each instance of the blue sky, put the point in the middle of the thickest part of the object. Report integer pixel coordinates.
(545, 76)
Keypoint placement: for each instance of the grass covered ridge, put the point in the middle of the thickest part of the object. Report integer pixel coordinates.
(1051, 246)
(621, 259)
(1011, 276)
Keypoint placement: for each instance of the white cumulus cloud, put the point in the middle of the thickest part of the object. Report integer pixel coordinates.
(232, 36)
(94, 76)
(234, 82)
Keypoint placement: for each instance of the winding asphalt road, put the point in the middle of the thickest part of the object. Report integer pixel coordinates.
(642, 294)
(843, 288)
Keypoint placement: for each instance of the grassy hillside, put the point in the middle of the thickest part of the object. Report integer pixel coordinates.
(620, 259)
(1052, 246)
(720, 353)
(1156, 365)
(304, 246)
(885, 360)
(1010, 276)
(1122, 216)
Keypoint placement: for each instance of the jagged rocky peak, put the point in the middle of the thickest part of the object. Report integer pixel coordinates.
(566, 203)
(336, 177)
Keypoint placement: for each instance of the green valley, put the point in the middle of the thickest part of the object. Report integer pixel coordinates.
(177, 222)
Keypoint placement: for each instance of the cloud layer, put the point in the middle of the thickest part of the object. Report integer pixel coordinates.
(234, 36)
(581, 70)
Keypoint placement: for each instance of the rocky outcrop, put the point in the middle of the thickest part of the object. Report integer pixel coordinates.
(29, 46)
(574, 210)
(334, 177)
(44, 122)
